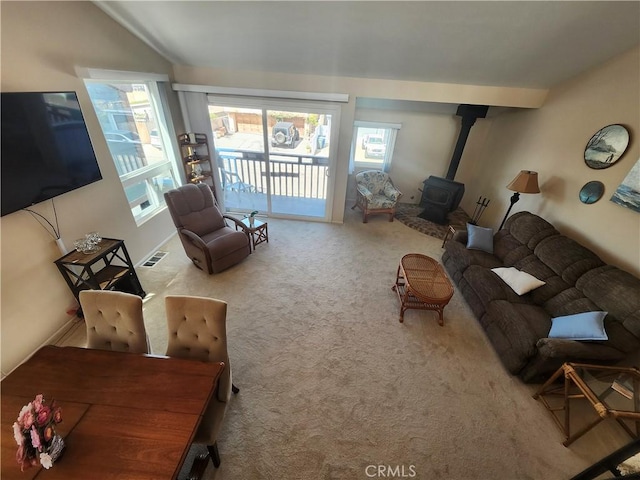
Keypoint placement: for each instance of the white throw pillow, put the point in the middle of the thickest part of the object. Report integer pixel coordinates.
(520, 282)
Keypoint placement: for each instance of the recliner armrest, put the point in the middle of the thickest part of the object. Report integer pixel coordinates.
(238, 223)
(572, 350)
(193, 238)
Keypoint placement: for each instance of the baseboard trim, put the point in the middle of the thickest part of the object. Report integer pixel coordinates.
(53, 339)
(155, 249)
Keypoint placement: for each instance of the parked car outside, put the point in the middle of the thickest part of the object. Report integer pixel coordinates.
(284, 134)
(122, 136)
(374, 146)
(124, 143)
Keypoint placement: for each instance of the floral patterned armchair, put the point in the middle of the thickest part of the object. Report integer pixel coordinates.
(376, 194)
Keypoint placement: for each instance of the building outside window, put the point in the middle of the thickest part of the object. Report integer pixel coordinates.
(132, 119)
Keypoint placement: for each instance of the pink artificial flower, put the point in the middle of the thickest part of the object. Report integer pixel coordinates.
(25, 418)
(48, 433)
(37, 403)
(17, 433)
(35, 439)
(44, 415)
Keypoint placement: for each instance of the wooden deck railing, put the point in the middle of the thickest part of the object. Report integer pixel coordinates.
(292, 175)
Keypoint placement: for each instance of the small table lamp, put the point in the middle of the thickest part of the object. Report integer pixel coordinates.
(525, 182)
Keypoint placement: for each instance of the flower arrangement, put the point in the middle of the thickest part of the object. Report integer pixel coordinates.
(35, 433)
(251, 216)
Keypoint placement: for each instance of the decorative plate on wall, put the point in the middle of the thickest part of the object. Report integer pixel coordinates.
(606, 146)
(591, 192)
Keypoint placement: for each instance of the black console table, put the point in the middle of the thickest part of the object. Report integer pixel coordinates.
(109, 268)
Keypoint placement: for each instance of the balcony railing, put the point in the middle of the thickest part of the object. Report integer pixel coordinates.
(292, 175)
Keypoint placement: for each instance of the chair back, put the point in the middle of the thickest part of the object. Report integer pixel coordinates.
(194, 207)
(114, 321)
(198, 329)
(374, 180)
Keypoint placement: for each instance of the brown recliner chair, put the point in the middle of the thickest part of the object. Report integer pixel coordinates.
(207, 240)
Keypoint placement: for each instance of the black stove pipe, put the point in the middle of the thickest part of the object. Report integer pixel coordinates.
(469, 114)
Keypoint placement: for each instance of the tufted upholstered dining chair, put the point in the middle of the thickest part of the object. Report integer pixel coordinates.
(197, 329)
(114, 321)
(207, 240)
(375, 193)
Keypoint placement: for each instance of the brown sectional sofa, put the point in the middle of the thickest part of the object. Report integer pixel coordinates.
(577, 281)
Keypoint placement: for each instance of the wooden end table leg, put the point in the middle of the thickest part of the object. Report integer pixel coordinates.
(402, 310)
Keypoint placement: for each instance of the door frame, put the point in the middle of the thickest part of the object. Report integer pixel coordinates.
(303, 106)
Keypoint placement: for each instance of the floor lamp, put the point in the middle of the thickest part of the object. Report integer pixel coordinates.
(525, 182)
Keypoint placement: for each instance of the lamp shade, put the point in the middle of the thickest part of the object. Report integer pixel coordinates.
(525, 182)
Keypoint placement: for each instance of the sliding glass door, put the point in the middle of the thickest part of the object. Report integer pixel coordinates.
(276, 158)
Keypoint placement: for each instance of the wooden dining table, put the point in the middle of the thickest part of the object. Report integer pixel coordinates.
(125, 416)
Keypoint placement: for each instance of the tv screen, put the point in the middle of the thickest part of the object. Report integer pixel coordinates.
(45, 148)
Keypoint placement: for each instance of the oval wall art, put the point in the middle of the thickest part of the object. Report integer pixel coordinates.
(591, 192)
(606, 146)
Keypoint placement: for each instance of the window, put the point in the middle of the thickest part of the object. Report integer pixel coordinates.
(372, 145)
(133, 123)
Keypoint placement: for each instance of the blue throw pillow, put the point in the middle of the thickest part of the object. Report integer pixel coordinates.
(479, 238)
(581, 326)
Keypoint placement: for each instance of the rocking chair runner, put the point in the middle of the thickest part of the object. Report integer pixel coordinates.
(376, 194)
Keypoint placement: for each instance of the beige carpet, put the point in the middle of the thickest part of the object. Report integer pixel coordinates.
(331, 383)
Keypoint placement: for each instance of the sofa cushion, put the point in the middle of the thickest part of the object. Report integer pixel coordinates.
(616, 291)
(522, 326)
(489, 287)
(567, 258)
(462, 258)
(580, 326)
(508, 249)
(519, 281)
(529, 229)
(479, 238)
(568, 302)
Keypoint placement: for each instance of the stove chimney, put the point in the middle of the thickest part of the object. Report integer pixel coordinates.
(469, 114)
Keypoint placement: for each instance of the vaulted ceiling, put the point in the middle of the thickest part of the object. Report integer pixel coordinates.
(503, 43)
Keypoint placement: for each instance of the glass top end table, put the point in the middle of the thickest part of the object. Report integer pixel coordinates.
(612, 391)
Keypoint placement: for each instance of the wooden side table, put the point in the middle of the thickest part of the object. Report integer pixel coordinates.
(259, 232)
(109, 268)
(597, 385)
(451, 231)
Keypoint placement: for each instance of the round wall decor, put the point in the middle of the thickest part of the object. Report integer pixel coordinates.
(606, 146)
(591, 192)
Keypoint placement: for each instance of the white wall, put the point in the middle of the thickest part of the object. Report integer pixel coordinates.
(41, 44)
(551, 140)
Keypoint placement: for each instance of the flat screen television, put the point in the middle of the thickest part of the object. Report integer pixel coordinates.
(45, 148)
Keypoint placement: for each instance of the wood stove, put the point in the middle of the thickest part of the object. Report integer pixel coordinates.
(439, 197)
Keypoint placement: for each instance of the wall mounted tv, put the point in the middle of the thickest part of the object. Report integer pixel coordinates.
(45, 148)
